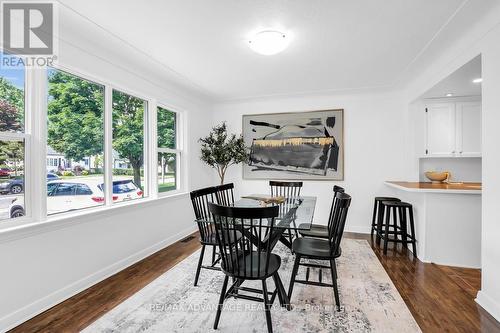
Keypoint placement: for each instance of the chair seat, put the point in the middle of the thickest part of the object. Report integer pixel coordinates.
(316, 230)
(212, 238)
(315, 248)
(251, 268)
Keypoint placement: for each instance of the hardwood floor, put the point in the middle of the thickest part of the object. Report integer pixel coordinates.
(440, 298)
(84, 308)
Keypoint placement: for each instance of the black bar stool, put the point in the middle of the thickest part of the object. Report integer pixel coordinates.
(378, 215)
(400, 213)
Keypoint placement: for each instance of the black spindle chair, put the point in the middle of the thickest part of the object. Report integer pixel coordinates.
(200, 200)
(242, 262)
(322, 249)
(319, 230)
(225, 195)
(287, 190)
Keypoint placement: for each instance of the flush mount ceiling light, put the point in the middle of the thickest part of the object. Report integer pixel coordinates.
(478, 80)
(449, 95)
(268, 42)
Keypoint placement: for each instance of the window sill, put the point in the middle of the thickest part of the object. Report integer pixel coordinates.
(29, 227)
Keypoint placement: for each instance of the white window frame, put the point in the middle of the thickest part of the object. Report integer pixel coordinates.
(178, 151)
(35, 159)
(25, 137)
(146, 145)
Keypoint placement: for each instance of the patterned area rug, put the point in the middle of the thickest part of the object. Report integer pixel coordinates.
(370, 301)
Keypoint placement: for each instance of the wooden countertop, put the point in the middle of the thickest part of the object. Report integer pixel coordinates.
(464, 188)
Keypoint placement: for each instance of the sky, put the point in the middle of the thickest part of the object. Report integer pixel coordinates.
(14, 76)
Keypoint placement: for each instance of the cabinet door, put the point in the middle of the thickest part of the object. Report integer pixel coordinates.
(469, 128)
(441, 137)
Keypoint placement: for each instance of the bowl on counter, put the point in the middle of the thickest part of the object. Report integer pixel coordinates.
(438, 176)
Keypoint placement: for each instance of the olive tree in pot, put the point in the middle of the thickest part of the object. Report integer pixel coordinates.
(220, 150)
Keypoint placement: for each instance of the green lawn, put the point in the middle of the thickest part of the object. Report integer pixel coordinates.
(166, 187)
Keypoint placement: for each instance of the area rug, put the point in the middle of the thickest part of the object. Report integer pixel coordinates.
(370, 301)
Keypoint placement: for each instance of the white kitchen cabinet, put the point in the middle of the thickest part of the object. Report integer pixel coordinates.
(468, 121)
(453, 129)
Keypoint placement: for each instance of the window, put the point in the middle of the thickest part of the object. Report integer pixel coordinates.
(75, 133)
(168, 152)
(12, 141)
(76, 170)
(128, 147)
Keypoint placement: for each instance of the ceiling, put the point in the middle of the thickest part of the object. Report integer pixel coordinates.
(459, 83)
(336, 44)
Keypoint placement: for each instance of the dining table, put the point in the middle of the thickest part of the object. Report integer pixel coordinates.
(295, 213)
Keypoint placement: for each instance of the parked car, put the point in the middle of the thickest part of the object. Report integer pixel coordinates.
(5, 172)
(16, 185)
(52, 176)
(13, 186)
(66, 195)
(16, 208)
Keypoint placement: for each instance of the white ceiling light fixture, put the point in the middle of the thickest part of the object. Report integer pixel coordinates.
(269, 42)
(478, 80)
(449, 95)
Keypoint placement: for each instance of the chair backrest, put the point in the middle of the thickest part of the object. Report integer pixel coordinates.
(225, 195)
(337, 221)
(200, 200)
(336, 189)
(286, 189)
(238, 226)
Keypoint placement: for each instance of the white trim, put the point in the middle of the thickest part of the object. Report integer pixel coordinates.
(168, 150)
(108, 146)
(36, 176)
(153, 156)
(489, 304)
(15, 318)
(180, 131)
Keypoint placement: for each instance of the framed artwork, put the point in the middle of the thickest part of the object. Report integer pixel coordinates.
(295, 145)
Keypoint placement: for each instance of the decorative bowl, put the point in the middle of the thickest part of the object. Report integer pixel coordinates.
(438, 176)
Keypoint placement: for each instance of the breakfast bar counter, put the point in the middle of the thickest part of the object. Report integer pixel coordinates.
(460, 188)
(447, 220)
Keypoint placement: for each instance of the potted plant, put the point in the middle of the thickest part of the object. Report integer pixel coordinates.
(220, 150)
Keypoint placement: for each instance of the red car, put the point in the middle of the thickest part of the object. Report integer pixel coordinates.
(4, 172)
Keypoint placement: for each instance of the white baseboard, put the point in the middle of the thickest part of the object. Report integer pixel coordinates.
(489, 304)
(358, 229)
(29, 311)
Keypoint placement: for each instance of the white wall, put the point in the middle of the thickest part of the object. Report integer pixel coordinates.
(44, 265)
(465, 169)
(374, 147)
(489, 296)
(482, 38)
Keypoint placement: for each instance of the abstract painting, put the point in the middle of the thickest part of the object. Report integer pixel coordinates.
(295, 145)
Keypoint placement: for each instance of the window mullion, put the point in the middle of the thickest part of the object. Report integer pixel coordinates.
(36, 146)
(152, 136)
(108, 145)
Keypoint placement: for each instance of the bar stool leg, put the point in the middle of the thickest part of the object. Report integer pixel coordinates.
(404, 232)
(386, 234)
(380, 220)
(413, 238)
(395, 227)
(374, 216)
